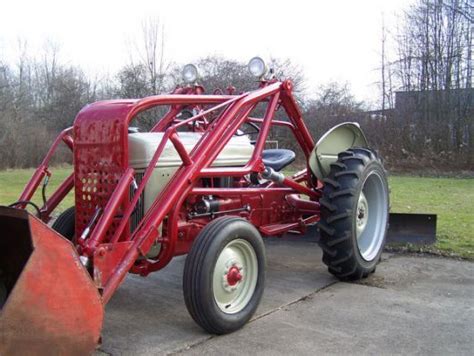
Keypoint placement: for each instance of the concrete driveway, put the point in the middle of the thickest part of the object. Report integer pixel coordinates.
(410, 305)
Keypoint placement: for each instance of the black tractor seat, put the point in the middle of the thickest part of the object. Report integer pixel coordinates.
(277, 158)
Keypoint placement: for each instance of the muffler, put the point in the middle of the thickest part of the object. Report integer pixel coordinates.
(49, 303)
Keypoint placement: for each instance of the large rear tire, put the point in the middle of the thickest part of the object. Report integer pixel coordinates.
(3, 291)
(224, 275)
(65, 223)
(354, 214)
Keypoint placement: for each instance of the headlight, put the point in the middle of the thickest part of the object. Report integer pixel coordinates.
(257, 67)
(190, 73)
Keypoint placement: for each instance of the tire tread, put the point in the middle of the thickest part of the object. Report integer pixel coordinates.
(339, 192)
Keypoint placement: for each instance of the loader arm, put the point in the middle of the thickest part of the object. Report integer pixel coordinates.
(87, 274)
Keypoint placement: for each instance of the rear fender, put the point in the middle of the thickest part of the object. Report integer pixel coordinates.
(339, 138)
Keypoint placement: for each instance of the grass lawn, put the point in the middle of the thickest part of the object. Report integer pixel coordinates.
(451, 198)
(12, 183)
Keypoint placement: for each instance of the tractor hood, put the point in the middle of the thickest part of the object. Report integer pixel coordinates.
(142, 147)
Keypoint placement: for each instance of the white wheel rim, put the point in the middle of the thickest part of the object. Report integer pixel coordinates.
(371, 216)
(235, 276)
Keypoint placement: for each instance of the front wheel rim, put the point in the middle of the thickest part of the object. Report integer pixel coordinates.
(371, 216)
(235, 276)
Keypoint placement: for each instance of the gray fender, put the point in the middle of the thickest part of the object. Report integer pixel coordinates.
(340, 138)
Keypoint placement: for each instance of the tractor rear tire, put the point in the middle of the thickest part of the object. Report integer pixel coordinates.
(354, 214)
(3, 291)
(65, 223)
(224, 275)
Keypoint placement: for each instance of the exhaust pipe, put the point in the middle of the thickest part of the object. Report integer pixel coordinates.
(49, 303)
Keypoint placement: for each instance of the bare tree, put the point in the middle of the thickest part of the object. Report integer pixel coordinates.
(153, 54)
(386, 72)
(434, 69)
(145, 72)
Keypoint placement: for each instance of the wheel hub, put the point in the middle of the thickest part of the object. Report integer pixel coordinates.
(233, 276)
(362, 214)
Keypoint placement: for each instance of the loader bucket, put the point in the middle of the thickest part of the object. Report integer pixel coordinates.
(49, 304)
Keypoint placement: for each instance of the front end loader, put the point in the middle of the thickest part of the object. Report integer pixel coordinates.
(200, 183)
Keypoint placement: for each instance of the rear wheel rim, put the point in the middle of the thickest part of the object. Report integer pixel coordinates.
(371, 216)
(235, 276)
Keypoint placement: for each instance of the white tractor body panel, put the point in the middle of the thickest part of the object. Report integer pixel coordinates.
(142, 147)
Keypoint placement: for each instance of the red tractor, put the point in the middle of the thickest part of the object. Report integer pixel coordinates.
(200, 183)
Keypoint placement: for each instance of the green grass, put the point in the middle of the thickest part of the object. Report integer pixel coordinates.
(12, 183)
(451, 198)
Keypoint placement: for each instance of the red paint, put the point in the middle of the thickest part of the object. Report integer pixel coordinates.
(233, 276)
(54, 307)
(102, 177)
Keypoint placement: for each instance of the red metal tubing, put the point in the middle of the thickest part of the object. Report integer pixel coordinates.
(69, 141)
(172, 112)
(265, 128)
(167, 119)
(254, 165)
(148, 172)
(42, 169)
(214, 108)
(167, 253)
(300, 188)
(58, 196)
(174, 138)
(240, 191)
(163, 123)
(33, 184)
(57, 141)
(303, 205)
(294, 113)
(274, 122)
(120, 192)
(300, 175)
(278, 229)
(208, 148)
(175, 99)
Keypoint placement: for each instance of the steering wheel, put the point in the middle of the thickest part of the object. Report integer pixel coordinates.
(196, 125)
(246, 132)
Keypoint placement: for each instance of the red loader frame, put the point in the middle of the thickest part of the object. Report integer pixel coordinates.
(102, 179)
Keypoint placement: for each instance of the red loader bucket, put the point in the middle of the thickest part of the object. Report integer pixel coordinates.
(49, 304)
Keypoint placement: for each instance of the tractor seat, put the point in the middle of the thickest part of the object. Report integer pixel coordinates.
(277, 158)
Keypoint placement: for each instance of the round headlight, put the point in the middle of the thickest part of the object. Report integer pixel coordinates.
(257, 67)
(190, 73)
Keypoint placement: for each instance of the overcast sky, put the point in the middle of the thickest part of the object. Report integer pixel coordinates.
(331, 40)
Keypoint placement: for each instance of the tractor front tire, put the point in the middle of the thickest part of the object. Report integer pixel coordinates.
(354, 214)
(65, 223)
(224, 275)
